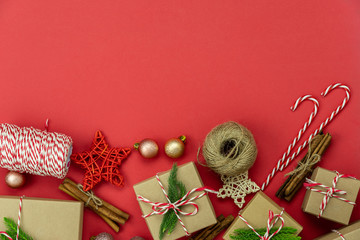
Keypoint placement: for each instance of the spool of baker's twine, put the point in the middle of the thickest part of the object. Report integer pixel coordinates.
(229, 149)
(33, 151)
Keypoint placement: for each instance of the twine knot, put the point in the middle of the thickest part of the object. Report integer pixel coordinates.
(308, 164)
(91, 197)
(330, 192)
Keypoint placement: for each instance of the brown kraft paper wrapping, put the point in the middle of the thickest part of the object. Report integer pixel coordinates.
(45, 219)
(351, 232)
(151, 190)
(336, 210)
(256, 213)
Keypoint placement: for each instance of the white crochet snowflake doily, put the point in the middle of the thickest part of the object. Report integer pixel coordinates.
(237, 187)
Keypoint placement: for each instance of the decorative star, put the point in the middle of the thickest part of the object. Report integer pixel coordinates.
(101, 163)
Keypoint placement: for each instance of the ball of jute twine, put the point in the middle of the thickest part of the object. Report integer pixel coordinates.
(229, 149)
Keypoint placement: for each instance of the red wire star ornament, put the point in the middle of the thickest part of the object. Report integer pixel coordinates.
(101, 163)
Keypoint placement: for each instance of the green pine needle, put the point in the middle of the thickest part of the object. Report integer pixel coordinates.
(12, 230)
(286, 233)
(176, 190)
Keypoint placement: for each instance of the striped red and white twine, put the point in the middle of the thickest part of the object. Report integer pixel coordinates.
(18, 223)
(287, 156)
(331, 191)
(159, 208)
(339, 233)
(272, 219)
(34, 151)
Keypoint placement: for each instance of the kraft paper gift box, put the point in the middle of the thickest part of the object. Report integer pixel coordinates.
(256, 213)
(150, 189)
(44, 219)
(351, 232)
(336, 210)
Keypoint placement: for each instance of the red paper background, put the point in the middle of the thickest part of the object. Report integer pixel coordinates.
(139, 69)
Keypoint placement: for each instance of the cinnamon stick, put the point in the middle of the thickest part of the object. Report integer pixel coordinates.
(316, 140)
(301, 179)
(295, 181)
(206, 231)
(223, 224)
(112, 224)
(105, 204)
(103, 210)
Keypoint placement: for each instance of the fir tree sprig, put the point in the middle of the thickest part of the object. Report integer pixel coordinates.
(286, 233)
(176, 190)
(12, 230)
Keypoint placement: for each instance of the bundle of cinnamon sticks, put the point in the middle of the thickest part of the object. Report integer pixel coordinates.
(294, 182)
(211, 232)
(110, 214)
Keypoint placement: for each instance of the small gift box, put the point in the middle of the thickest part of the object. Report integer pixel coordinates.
(151, 194)
(44, 219)
(331, 195)
(351, 232)
(257, 214)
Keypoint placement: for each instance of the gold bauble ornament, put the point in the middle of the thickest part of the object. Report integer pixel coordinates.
(175, 147)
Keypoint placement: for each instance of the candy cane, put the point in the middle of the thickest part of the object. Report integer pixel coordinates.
(281, 165)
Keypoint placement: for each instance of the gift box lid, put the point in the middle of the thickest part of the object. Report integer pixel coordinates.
(151, 190)
(336, 210)
(351, 232)
(256, 213)
(45, 219)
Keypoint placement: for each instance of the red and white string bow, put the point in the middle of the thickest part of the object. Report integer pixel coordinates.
(159, 208)
(331, 191)
(18, 224)
(340, 234)
(270, 223)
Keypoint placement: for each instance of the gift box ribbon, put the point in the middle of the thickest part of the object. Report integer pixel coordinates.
(18, 224)
(331, 191)
(340, 234)
(272, 219)
(160, 208)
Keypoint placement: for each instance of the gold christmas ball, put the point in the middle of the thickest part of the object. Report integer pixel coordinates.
(175, 147)
(15, 179)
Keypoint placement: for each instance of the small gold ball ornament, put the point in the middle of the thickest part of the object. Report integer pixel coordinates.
(175, 147)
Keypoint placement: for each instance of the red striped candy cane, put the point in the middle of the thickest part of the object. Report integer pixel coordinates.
(281, 165)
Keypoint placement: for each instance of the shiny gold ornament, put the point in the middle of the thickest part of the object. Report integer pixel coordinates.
(175, 147)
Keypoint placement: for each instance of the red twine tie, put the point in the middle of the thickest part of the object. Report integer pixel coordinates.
(18, 225)
(162, 208)
(331, 191)
(270, 223)
(339, 233)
